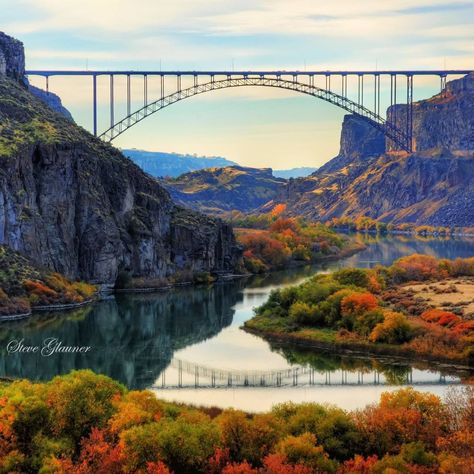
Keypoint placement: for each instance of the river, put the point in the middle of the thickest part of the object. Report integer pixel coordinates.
(174, 341)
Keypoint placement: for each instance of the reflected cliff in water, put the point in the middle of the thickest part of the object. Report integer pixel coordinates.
(132, 337)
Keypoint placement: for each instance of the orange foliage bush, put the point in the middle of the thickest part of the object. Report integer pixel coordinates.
(278, 209)
(265, 248)
(359, 465)
(282, 224)
(358, 303)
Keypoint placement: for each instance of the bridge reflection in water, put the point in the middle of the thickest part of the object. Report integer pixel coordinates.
(184, 374)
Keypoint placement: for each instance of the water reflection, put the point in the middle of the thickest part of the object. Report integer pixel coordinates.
(134, 337)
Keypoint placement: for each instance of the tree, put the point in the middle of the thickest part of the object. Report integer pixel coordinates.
(303, 449)
(81, 401)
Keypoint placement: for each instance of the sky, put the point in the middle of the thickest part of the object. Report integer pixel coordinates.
(253, 126)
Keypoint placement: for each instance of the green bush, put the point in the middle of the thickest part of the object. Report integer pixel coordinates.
(352, 276)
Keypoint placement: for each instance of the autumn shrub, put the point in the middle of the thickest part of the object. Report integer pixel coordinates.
(441, 317)
(462, 267)
(303, 449)
(81, 401)
(395, 329)
(358, 303)
(416, 267)
(267, 249)
(331, 426)
(365, 323)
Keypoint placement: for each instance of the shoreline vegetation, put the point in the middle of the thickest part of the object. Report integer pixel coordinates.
(372, 226)
(418, 307)
(84, 423)
(25, 288)
(271, 242)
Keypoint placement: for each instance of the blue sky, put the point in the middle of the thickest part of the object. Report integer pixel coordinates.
(256, 127)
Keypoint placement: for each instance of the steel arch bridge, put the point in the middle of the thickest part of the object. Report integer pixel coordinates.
(399, 130)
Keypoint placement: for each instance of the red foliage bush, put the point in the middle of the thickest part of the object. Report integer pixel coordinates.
(440, 317)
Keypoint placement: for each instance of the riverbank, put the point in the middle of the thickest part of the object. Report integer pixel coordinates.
(291, 242)
(25, 288)
(327, 341)
(419, 307)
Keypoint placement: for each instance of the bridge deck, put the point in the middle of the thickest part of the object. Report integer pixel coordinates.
(404, 72)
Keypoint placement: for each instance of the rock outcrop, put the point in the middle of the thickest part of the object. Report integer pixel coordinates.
(12, 57)
(446, 121)
(76, 205)
(51, 100)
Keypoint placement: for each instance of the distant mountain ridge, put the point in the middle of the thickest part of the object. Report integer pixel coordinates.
(161, 164)
(222, 190)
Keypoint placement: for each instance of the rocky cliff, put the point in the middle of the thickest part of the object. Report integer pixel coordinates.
(12, 57)
(434, 185)
(51, 100)
(445, 121)
(78, 206)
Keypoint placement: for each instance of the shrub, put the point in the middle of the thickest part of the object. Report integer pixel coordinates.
(416, 267)
(366, 322)
(441, 317)
(303, 313)
(358, 303)
(395, 329)
(302, 449)
(352, 276)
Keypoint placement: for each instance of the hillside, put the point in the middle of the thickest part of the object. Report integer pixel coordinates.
(221, 190)
(77, 206)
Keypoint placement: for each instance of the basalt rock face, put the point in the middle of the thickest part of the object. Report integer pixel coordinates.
(434, 185)
(12, 57)
(78, 206)
(446, 121)
(359, 141)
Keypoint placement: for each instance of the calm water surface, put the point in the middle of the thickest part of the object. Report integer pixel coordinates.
(143, 339)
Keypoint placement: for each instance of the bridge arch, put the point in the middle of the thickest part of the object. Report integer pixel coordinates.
(389, 129)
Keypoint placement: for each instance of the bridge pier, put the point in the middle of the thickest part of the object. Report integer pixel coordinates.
(94, 104)
(111, 90)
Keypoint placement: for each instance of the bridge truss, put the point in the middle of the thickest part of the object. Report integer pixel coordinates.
(364, 100)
